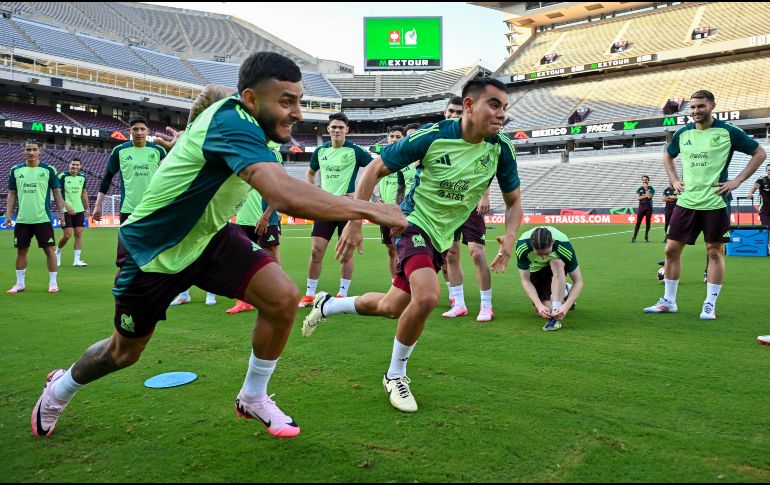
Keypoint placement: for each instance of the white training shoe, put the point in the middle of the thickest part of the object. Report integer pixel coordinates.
(316, 315)
(455, 311)
(485, 314)
(708, 312)
(211, 299)
(17, 288)
(180, 300)
(663, 306)
(400, 396)
(53, 288)
(80, 264)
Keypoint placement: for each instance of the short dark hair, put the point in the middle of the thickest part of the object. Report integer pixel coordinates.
(76, 159)
(455, 100)
(474, 87)
(31, 141)
(398, 128)
(263, 66)
(411, 126)
(704, 94)
(338, 117)
(646, 177)
(136, 120)
(541, 239)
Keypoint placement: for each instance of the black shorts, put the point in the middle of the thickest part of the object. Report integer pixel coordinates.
(78, 220)
(764, 218)
(124, 216)
(385, 235)
(642, 212)
(325, 229)
(225, 268)
(687, 224)
(473, 230)
(541, 280)
(43, 232)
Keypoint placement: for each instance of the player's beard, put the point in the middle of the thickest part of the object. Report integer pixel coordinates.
(269, 124)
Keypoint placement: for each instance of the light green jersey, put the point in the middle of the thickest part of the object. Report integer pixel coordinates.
(33, 187)
(526, 258)
(72, 189)
(136, 165)
(339, 166)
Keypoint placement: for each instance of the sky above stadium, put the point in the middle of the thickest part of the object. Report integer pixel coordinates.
(472, 34)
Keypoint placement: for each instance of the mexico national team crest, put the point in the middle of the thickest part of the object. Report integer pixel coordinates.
(715, 141)
(481, 165)
(127, 322)
(418, 241)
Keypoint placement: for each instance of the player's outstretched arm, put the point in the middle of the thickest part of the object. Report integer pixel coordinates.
(513, 216)
(299, 199)
(351, 238)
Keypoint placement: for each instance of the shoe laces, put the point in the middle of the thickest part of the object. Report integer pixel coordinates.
(663, 302)
(402, 386)
(272, 410)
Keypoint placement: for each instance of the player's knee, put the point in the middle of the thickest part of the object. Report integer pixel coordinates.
(479, 256)
(426, 301)
(317, 254)
(672, 251)
(715, 254)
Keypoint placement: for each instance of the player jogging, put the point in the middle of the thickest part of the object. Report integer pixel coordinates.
(73, 186)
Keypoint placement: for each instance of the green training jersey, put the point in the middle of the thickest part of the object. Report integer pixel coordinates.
(454, 176)
(197, 189)
(706, 156)
(389, 188)
(72, 189)
(526, 258)
(255, 205)
(339, 166)
(136, 165)
(33, 187)
(406, 176)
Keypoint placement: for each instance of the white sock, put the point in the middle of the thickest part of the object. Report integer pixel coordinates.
(344, 287)
(21, 275)
(52, 279)
(77, 255)
(671, 286)
(185, 294)
(57, 251)
(458, 294)
(311, 286)
(486, 298)
(335, 306)
(66, 387)
(255, 384)
(211, 296)
(448, 285)
(712, 293)
(555, 305)
(398, 359)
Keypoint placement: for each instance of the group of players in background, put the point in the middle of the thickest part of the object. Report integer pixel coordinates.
(174, 231)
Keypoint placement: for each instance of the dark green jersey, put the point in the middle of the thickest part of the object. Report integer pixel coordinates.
(670, 192)
(706, 156)
(645, 203)
(72, 187)
(527, 258)
(33, 187)
(454, 176)
(196, 190)
(136, 165)
(339, 166)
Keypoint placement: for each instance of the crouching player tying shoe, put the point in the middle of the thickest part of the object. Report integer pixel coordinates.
(545, 257)
(706, 147)
(460, 157)
(178, 236)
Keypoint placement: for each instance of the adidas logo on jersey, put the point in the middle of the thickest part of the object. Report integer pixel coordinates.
(688, 143)
(445, 161)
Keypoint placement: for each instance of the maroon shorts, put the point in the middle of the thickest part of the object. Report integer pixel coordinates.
(413, 243)
(270, 239)
(541, 280)
(473, 230)
(78, 220)
(687, 224)
(668, 211)
(764, 218)
(642, 212)
(385, 235)
(225, 268)
(325, 229)
(23, 233)
(123, 216)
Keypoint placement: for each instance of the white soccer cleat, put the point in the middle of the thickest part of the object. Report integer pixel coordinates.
(180, 300)
(211, 299)
(708, 312)
(455, 311)
(17, 288)
(764, 339)
(316, 315)
(80, 264)
(485, 314)
(399, 394)
(663, 306)
(53, 288)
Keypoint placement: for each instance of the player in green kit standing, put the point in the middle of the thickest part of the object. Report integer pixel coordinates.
(73, 184)
(137, 161)
(179, 236)
(31, 183)
(338, 161)
(459, 159)
(706, 147)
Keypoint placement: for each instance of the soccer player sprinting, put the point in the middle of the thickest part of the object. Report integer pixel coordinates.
(644, 195)
(137, 160)
(261, 224)
(338, 161)
(763, 185)
(473, 233)
(670, 196)
(706, 146)
(31, 183)
(73, 185)
(178, 235)
(545, 257)
(459, 158)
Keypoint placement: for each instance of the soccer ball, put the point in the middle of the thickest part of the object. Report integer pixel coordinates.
(661, 275)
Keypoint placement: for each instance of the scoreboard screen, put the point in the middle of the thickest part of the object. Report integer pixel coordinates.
(402, 43)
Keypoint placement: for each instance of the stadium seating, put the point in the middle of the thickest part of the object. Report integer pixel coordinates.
(101, 122)
(401, 86)
(168, 65)
(316, 84)
(9, 35)
(56, 41)
(305, 140)
(116, 54)
(223, 73)
(28, 112)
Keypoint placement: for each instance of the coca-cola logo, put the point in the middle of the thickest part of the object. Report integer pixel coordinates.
(699, 155)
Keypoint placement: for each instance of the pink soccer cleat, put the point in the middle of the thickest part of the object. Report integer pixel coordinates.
(47, 410)
(268, 413)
